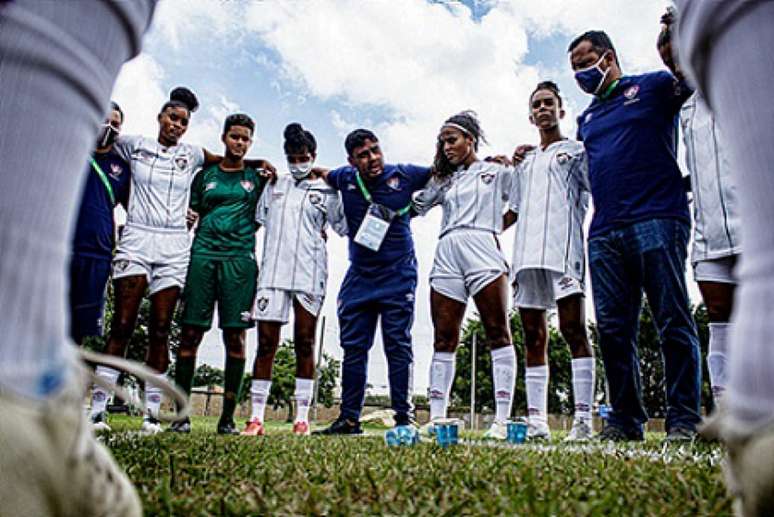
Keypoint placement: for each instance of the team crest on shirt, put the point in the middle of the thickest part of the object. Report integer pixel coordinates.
(262, 303)
(315, 198)
(116, 170)
(181, 162)
(487, 177)
(631, 92)
(351, 186)
(247, 185)
(394, 183)
(120, 266)
(211, 185)
(565, 282)
(562, 158)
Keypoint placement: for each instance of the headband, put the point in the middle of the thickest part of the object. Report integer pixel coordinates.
(457, 126)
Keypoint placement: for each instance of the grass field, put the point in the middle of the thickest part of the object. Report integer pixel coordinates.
(206, 474)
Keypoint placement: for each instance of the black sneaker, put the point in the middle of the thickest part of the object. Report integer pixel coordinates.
(181, 426)
(680, 434)
(613, 433)
(228, 428)
(342, 426)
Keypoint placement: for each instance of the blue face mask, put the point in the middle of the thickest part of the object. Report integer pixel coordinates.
(591, 79)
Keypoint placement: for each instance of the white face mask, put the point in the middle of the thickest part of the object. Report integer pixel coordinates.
(300, 170)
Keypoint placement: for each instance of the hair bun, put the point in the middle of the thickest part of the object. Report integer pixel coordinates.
(185, 96)
(292, 130)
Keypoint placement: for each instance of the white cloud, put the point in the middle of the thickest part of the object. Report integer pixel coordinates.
(140, 94)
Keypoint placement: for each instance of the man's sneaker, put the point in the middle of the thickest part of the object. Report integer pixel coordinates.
(497, 431)
(254, 427)
(342, 426)
(401, 436)
(538, 431)
(749, 467)
(580, 432)
(99, 423)
(301, 428)
(613, 433)
(181, 426)
(680, 434)
(150, 426)
(228, 427)
(51, 463)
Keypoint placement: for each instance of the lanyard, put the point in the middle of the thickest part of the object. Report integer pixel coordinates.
(609, 90)
(369, 198)
(105, 181)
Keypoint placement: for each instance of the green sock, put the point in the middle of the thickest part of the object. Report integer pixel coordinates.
(184, 373)
(232, 386)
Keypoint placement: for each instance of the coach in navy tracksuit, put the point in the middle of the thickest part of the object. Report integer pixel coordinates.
(382, 276)
(107, 184)
(639, 234)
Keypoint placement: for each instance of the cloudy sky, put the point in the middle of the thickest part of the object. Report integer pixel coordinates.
(399, 67)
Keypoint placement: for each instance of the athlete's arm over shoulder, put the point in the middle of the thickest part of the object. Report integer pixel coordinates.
(125, 145)
(431, 195)
(262, 209)
(335, 213)
(418, 175)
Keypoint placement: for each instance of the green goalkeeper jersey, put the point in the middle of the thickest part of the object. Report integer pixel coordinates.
(225, 202)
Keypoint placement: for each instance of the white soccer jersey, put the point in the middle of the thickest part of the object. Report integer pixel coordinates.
(551, 195)
(294, 215)
(161, 180)
(471, 198)
(716, 219)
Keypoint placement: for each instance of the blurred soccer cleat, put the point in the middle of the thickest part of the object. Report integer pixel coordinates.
(538, 431)
(181, 426)
(99, 423)
(150, 426)
(497, 431)
(580, 432)
(301, 428)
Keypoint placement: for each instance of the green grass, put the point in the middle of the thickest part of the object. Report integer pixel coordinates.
(206, 474)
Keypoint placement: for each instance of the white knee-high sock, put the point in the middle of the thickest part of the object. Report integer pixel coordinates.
(99, 395)
(441, 380)
(152, 400)
(583, 386)
(537, 393)
(304, 390)
(259, 395)
(717, 358)
(504, 374)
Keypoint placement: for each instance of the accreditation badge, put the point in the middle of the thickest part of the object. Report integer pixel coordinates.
(374, 227)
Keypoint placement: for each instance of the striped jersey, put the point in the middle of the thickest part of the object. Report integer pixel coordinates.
(161, 181)
(551, 195)
(471, 198)
(716, 229)
(294, 216)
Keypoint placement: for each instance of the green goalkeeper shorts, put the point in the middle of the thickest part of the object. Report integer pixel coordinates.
(231, 282)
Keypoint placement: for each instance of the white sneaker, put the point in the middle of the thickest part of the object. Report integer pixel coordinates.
(580, 432)
(538, 431)
(99, 423)
(58, 467)
(497, 431)
(150, 426)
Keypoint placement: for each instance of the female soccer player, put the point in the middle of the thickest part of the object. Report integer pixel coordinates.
(716, 239)
(548, 203)
(294, 269)
(468, 261)
(153, 251)
(223, 267)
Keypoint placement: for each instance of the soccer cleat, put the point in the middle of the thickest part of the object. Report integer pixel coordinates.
(150, 426)
(749, 467)
(341, 426)
(497, 431)
(58, 466)
(254, 427)
(580, 432)
(613, 433)
(538, 431)
(228, 428)
(99, 423)
(679, 434)
(181, 426)
(301, 428)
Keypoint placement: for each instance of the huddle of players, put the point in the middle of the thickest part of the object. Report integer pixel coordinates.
(546, 196)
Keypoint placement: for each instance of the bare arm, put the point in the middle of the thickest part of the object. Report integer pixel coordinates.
(509, 218)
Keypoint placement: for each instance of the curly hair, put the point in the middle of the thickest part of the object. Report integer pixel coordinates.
(466, 122)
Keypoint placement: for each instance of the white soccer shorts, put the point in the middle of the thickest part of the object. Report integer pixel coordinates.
(465, 262)
(162, 256)
(719, 270)
(540, 288)
(275, 304)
